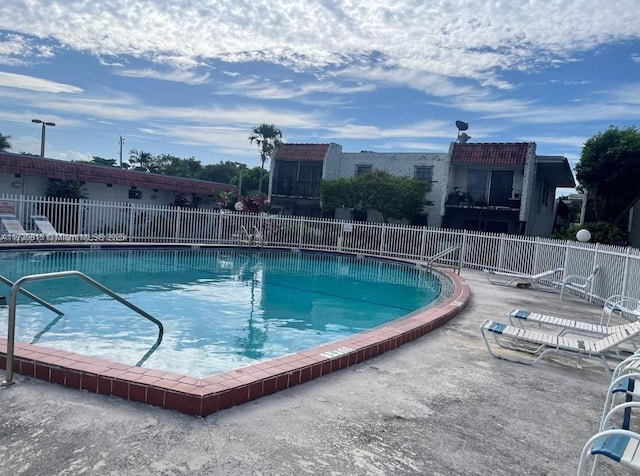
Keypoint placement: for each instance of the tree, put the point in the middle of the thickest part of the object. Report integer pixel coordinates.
(251, 180)
(106, 162)
(222, 172)
(140, 160)
(268, 138)
(59, 188)
(609, 170)
(4, 143)
(394, 197)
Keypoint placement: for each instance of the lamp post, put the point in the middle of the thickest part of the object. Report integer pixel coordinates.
(44, 126)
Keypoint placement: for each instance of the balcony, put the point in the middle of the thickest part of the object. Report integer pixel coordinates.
(498, 199)
(298, 188)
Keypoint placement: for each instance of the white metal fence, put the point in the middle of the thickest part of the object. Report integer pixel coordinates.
(619, 266)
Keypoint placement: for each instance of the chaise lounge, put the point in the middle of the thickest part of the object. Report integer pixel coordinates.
(507, 278)
(540, 344)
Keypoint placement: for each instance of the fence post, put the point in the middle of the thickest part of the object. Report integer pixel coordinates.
(463, 250)
(132, 213)
(625, 272)
(423, 243)
(382, 237)
(536, 249)
(176, 229)
(501, 251)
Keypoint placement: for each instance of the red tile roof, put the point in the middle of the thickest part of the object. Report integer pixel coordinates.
(508, 153)
(89, 173)
(302, 152)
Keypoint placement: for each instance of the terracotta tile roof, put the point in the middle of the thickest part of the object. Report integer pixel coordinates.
(302, 152)
(508, 153)
(88, 173)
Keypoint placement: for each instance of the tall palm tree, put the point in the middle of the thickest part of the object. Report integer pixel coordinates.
(268, 138)
(4, 143)
(140, 159)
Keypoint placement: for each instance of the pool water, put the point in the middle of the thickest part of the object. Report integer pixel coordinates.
(221, 309)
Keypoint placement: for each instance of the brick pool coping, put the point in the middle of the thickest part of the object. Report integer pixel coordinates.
(204, 396)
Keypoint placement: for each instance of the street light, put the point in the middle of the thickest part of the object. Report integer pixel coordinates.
(44, 126)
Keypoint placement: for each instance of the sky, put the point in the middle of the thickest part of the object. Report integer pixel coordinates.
(191, 78)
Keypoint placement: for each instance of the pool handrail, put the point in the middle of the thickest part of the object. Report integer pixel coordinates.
(11, 325)
(429, 262)
(9, 283)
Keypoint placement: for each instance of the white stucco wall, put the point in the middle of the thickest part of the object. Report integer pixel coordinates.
(400, 164)
(37, 187)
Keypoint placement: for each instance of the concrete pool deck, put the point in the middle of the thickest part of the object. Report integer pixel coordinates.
(439, 405)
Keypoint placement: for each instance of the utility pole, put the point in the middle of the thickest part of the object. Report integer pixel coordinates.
(121, 142)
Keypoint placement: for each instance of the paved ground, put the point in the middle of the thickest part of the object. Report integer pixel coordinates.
(438, 406)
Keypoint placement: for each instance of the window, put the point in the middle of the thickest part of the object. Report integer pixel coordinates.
(362, 168)
(135, 193)
(423, 173)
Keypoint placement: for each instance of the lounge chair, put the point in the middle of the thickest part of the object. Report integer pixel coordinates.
(12, 224)
(44, 225)
(540, 344)
(507, 278)
(626, 308)
(580, 284)
(569, 326)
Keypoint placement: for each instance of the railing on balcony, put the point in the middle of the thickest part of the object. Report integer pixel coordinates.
(483, 198)
(297, 188)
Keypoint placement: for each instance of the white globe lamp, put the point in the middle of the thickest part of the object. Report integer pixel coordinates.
(238, 206)
(583, 235)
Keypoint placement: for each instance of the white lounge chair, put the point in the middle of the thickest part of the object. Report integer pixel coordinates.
(507, 278)
(580, 284)
(568, 326)
(626, 308)
(540, 344)
(44, 225)
(12, 224)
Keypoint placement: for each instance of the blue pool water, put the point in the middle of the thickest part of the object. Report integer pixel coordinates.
(221, 309)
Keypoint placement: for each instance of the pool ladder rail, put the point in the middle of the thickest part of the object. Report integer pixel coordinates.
(438, 256)
(252, 239)
(17, 287)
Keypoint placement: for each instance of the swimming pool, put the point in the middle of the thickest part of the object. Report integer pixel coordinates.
(220, 309)
(175, 388)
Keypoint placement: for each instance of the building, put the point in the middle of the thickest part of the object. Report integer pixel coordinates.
(29, 175)
(498, 187)
(503, 188)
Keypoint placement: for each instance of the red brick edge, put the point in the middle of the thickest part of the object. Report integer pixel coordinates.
(201, 397)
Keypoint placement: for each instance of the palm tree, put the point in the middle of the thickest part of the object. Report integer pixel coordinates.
(140, 160)
(268, 138)
(4, 143)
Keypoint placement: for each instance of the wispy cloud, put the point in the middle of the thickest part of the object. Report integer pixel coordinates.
(187, 77)
(20, 81)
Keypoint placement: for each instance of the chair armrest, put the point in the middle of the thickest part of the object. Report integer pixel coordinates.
(575, 278)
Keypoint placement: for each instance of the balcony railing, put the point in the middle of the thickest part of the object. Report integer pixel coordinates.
(297, 188)
(483, 198)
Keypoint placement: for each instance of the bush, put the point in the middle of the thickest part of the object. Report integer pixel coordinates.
(601, 232)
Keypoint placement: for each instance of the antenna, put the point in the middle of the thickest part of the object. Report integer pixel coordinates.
(463, 137)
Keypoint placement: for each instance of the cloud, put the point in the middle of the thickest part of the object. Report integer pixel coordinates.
(471, 39)
(187, 77)
(18, 50)
(20, 81)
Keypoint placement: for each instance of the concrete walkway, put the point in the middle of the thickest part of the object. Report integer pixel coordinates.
(437, 406)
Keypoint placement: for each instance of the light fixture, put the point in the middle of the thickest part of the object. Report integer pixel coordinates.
(583, 235)
(44, 126)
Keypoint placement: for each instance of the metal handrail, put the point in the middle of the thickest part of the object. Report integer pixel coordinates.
(11, 327)
(33, 296)
(442, 254)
